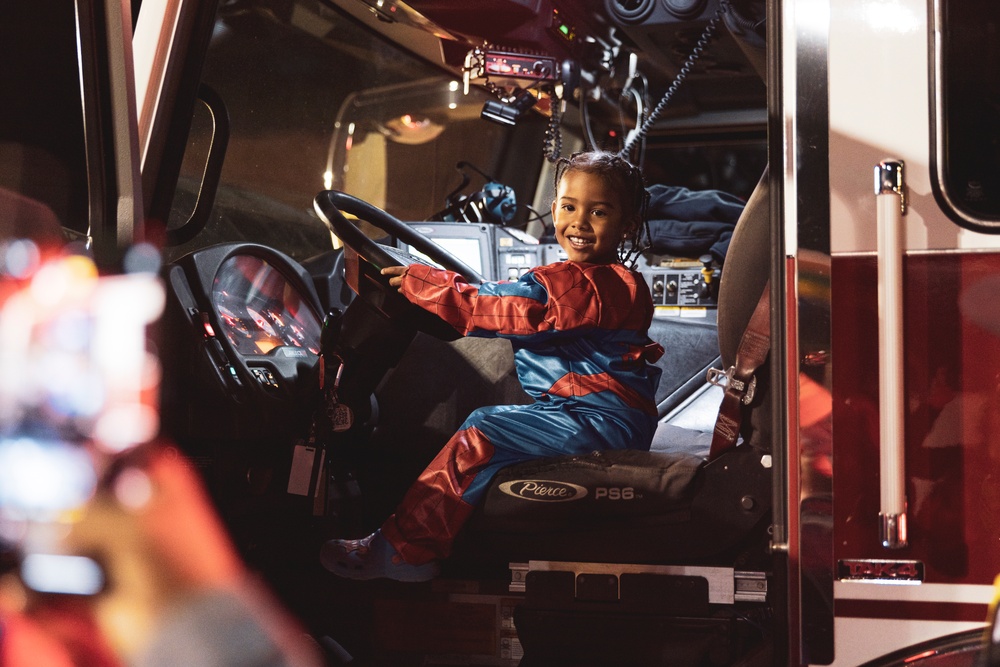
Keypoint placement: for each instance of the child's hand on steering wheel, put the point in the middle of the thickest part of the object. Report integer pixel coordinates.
(397, 273)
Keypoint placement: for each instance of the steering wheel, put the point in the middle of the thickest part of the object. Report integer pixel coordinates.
(329, 205)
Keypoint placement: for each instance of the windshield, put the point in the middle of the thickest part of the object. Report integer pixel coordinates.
(317, 101)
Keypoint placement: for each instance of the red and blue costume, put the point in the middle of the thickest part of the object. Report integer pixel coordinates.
(581, 350)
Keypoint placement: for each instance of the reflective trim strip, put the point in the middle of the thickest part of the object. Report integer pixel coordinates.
(958, 593)
(721, 580)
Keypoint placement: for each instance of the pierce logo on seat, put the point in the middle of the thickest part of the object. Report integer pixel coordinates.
(543, 490)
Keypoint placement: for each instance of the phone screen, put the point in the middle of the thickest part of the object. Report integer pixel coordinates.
(40, 478)
(79, 388)
(62, 574)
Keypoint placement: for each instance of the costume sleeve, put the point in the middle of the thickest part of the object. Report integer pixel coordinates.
(513, 309)
(559, 297)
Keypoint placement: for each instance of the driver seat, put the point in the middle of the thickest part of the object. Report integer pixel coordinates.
(622, 554)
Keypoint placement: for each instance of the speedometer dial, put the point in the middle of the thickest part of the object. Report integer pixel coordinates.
(260, 310)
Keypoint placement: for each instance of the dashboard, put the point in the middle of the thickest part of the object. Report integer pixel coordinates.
(244, 326)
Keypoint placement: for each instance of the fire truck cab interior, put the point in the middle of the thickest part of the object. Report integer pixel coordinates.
(295, 147)
(607, 580)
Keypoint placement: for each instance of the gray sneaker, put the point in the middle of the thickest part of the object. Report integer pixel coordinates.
(372, 557)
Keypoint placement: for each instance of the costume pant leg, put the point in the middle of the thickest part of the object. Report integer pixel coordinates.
(443, 497)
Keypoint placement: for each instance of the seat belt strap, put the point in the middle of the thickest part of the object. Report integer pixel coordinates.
(739, 380)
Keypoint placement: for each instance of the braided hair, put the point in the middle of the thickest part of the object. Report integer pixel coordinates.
(625, 178)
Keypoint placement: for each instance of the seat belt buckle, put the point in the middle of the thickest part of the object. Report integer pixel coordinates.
(728, 381)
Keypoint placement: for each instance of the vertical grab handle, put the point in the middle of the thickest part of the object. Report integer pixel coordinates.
(890, 196)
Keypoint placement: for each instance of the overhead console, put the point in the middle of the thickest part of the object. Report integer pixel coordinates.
(556, 28)
(525, 52)
(613, 58)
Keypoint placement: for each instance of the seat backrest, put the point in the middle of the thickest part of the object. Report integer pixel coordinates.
(24, 218)
(744, 275)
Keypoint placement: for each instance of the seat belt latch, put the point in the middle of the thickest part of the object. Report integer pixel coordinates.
(727, 380)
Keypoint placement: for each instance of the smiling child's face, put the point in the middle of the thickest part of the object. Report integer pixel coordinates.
(587, 213)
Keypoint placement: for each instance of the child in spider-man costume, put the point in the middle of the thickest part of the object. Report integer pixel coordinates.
(581, 349)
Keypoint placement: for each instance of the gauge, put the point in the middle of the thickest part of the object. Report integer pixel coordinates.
(260, 309)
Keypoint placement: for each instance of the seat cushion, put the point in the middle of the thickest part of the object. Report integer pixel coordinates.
(626, 506)
(560, 493)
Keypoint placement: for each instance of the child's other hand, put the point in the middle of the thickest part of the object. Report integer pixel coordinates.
(396, 273)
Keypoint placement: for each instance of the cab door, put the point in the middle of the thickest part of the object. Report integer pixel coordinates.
(93, 90)
(68, 137)
(889, 218)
